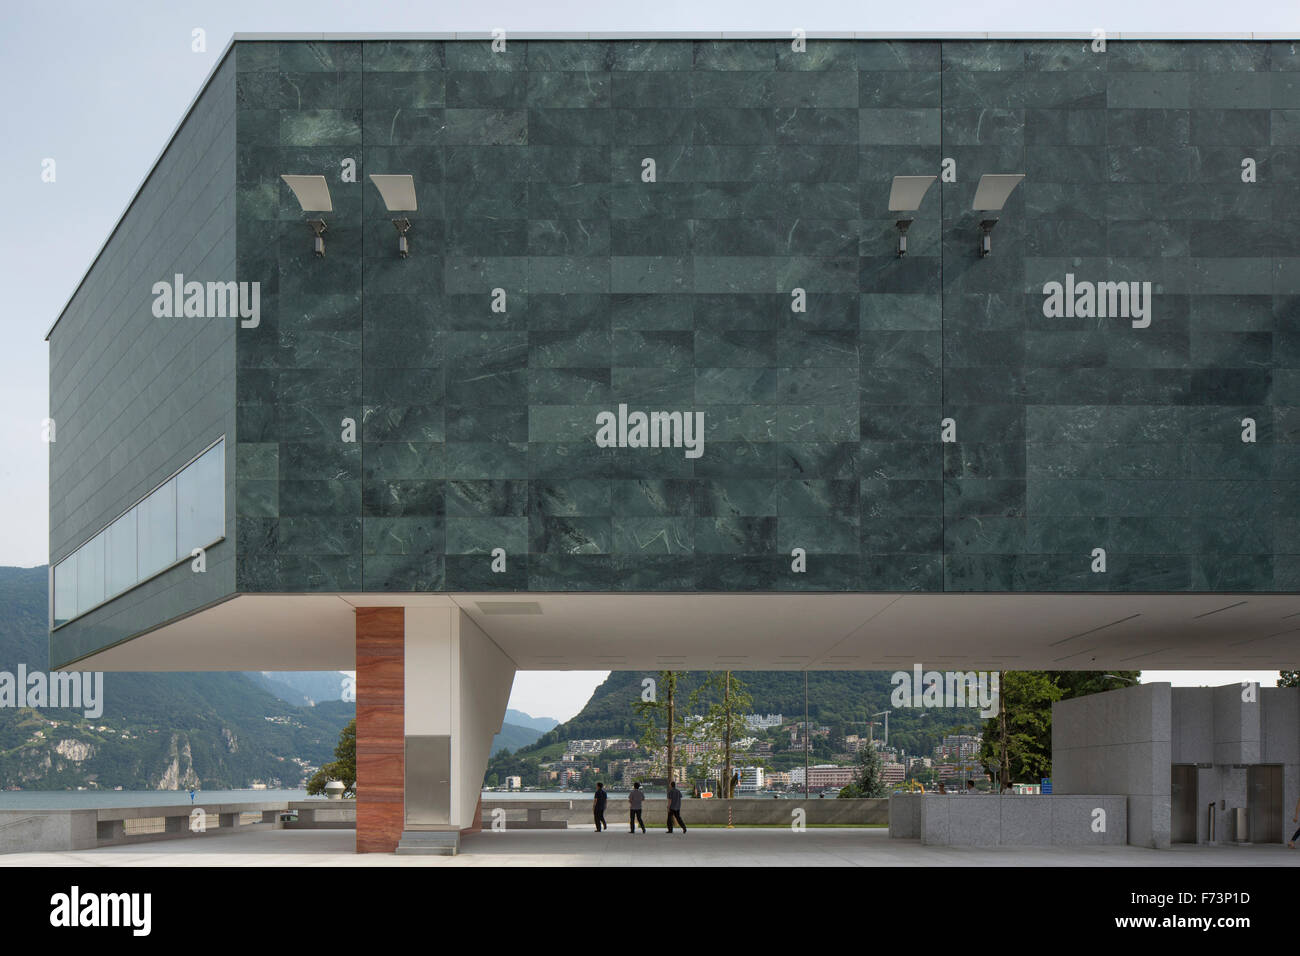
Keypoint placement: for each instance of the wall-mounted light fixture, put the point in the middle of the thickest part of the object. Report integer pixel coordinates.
(905, 195)
(398, 194)
(990, 196)
(313, 195)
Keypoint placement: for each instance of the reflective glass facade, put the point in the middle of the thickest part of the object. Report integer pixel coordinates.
(149, 538)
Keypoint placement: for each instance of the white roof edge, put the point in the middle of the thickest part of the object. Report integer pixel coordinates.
(763, 35)
(626, 35)
(225, 52)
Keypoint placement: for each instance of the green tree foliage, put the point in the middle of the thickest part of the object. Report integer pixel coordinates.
(661, 721)
(343, 767)
(867, 783)
(722, 701)
(1288, 679)
(1029, 696)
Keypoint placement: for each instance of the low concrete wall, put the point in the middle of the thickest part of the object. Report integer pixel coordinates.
(23, 831)
(905, 816)
(1010, 820)
(745, 811)
(322, 815)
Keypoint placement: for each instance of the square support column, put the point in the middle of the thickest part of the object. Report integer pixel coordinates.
(381, 650)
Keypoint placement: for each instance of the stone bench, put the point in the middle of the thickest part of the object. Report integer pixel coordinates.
(533, 820)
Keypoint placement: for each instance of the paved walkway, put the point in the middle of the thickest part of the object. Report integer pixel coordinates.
(583, 847)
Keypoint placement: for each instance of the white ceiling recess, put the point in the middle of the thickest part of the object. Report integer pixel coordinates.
(756, 631)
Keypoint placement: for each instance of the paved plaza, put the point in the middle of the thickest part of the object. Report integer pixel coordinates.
(616, 847)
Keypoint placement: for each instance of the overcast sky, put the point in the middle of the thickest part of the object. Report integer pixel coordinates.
(99, 87)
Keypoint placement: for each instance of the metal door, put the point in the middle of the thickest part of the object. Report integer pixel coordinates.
(1264, 800)
(428, 780)
(1182, 780)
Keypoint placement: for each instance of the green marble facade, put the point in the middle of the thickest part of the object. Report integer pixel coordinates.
(822, 428)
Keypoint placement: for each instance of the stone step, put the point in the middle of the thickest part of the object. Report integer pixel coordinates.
(429, 843)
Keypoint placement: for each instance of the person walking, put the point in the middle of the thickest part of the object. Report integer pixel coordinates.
(635, 800)
(675, 807)
(1295, 818)
(598, 807)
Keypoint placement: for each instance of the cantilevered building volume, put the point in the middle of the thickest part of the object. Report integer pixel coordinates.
(440, 357)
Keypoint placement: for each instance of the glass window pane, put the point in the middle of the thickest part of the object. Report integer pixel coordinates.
(156, 530)
(119, 552)
(65, 590)
(90, 574)
(201, 500)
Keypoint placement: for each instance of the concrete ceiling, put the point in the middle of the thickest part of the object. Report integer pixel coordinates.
(756, 632)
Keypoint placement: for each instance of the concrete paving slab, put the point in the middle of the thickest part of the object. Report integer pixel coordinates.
(756, 847)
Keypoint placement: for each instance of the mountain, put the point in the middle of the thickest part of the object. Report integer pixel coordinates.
(157, 731)
(540, 724)
(304, 688)
(844, 701)
(520, 730)
(512, 737)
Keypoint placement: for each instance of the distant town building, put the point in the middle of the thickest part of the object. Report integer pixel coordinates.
(751, 779)
(635, 770)
(514, 783)
(823, 775)
(891, 773)
(959, 747)
(756, 722)
(591, 746)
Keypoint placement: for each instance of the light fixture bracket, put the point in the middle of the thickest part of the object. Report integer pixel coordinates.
(403, 226)
(902, 225)
(986, 236)
(318, 229)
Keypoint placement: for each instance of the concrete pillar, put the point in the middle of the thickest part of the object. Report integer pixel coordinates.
(1118, 743)
(457, 684)
(431, 686)
(381, 652)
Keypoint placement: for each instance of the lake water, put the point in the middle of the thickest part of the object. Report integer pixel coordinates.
(99, 799)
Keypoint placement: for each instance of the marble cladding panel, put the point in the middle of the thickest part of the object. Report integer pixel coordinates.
(928, 423)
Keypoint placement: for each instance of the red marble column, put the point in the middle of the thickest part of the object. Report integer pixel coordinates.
(381, 723)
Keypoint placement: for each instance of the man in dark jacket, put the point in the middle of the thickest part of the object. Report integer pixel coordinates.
(598, 807)
(674, 806)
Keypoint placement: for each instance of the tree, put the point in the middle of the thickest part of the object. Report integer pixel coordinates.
(1024, 718)
(867, 783)
(722, 722)
(661, 708)
(1288, 679)
(1026, 748)
(342, 768)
